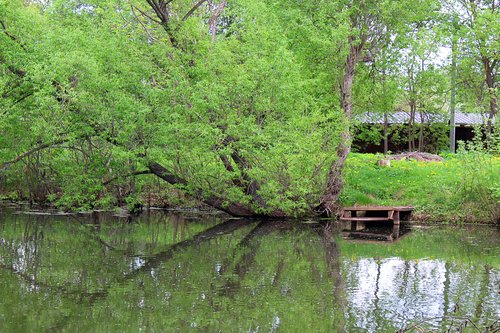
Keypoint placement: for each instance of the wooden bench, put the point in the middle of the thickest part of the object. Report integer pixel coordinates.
(374, 214)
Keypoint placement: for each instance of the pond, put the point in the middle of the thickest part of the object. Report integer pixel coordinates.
(167, 272)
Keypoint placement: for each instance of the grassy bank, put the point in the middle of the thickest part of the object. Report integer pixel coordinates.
(463, 188)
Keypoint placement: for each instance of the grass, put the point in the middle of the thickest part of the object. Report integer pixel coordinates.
(463, 188)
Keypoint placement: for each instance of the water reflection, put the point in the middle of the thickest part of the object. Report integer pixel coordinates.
(397, 291)
(374, 231)
(179, 273)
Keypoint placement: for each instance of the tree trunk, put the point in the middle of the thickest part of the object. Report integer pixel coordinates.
(245, 182)
(411, 125)
(490, 82)
(386, 134)
(235, 209)
(212, 23)
(232, 208)
(453, 93)
(329, 202)
(413, 109)
(421, 132)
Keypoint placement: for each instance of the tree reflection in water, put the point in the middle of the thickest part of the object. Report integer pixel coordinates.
(177, 273)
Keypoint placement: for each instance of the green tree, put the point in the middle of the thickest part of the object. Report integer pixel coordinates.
(369, 24)
(478, 53)
(153, 88)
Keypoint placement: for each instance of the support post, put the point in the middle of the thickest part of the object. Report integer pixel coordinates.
(354, 224)
(396, 218)
(395, 231)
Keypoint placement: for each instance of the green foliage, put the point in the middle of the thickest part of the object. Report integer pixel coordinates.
(479, 179)
(99, 80)
(93, 90)
(370, 134)
(435, 136)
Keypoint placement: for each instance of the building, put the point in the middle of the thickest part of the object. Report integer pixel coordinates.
(435, 130)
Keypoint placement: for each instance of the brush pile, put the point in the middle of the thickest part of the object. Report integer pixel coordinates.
(419, 156)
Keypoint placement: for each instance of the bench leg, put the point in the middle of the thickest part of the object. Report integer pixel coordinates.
(395, 231)
(396, 218)
(354, 224)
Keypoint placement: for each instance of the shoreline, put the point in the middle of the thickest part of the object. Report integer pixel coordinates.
(49, 210)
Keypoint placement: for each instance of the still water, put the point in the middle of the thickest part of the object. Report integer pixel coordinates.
(166, 272)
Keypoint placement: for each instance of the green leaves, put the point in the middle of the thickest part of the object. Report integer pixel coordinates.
(114, 85)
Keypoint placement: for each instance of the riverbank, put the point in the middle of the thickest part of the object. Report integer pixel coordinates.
(462, 188)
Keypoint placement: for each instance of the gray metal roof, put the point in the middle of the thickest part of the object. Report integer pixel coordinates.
(402, 117)
(470, 118)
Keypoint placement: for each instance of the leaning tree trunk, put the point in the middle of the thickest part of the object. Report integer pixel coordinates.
(329, 203)
(232, 208)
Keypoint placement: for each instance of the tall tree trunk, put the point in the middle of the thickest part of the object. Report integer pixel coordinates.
(490, 82)
(411, 125)
(386, 134)
(329, 202)
(421, 132)
(413, 109)
(453, 92)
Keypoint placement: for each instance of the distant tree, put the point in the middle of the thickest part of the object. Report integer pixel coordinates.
(478, 49)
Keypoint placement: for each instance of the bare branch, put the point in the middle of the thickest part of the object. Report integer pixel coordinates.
(145, 14)
(161, 11)
(192, 10)
(134, 173)
(212, 23)
(5, 165)
(142, 24)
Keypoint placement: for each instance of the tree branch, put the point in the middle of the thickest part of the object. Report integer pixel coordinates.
(19, 72)
(250, 185)
(232, 208)
(145, 14)
(192, 10)
(5, 165)
(212, 23)
(11, 36)
(160, 9)
(134, 173)
(142, 24)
